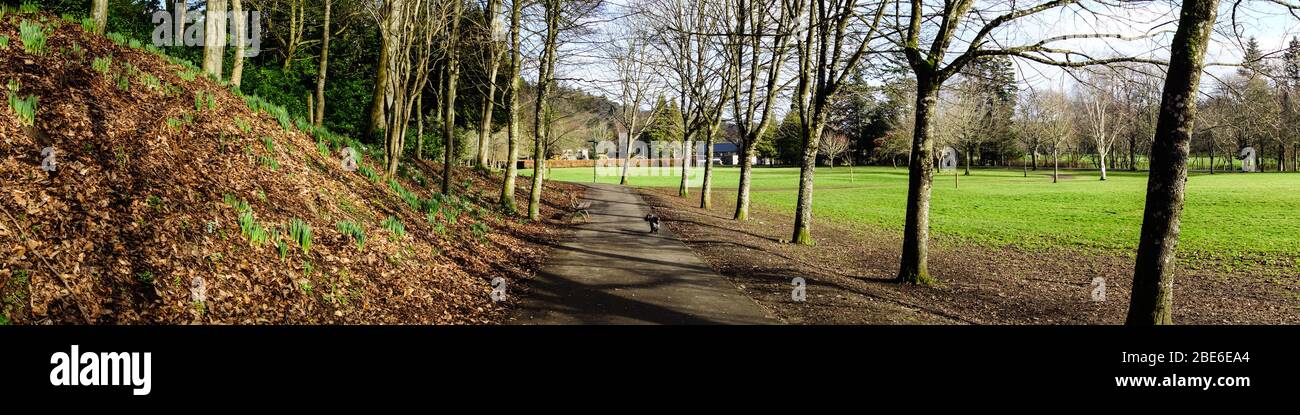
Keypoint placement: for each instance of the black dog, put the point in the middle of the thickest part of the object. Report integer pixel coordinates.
(654, 222)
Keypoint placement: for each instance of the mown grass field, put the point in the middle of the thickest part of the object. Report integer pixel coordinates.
(1226, 216)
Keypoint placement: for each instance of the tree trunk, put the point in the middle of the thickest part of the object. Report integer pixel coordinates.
(512, 110)
(214, 39)
(1152, 298)
(1056, 166)
(968, 157)
(419, 126)
(99, 12)
(627, 157)
(381, 93)
(449, 98)
(684, 188)
(240, 27)
(180, 12)
(1102, 164)
(494, 62)
(746, 171)
(913, 267)
(542, 109)
(803, 206)
(319, 116)
(706, 186)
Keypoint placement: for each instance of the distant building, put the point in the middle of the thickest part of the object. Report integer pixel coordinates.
(728, 154)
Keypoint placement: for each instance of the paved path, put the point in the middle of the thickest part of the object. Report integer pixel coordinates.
(613, 271)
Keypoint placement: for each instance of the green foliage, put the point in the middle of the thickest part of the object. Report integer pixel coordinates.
(4, 41)
(88, 24)
(25, 108)
(204, 101)
(33, 37)
(175, 124)
(242, 124)
(281, 115)
(117, 38)
(300, 233)
(480, 230)
(134, 44)
(269, 162)
(248, 226)
(145, 277)
(269, 143)
(187, 75)
(149, 81)
(102, 64)
(410, 197)
(351, 230)
(28, 8)
(394, 225)
(368, 172)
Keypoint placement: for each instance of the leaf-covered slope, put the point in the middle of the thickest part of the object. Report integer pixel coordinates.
(171, 201)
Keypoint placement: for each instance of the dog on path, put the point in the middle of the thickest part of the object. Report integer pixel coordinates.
(653, 221)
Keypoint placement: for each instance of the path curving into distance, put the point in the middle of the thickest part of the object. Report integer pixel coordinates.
(613, 271)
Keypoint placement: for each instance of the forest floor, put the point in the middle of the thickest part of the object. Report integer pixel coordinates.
(169, 199)
(849, 275)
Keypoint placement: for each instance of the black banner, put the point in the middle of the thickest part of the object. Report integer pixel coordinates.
(288, 364)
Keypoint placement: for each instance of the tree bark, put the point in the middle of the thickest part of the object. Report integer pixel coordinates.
(512, 110)
(913, 267)
(214, 38)
(494, 62)
(803, 206)
(449, 98)
(240, 26)
(319, 117)
(746, 172)
(381, 94)
(1153, 276)
(542, 109)
(99, 12)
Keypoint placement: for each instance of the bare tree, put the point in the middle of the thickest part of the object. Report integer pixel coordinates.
(833, 145)
(986, 29)
(827, 56)
(756, 50)
(1151, 301)
(512, 107)
(410, 27)
(628, 50)
(239, 26)
(1099, 102)
(493, 50)
(451, 74)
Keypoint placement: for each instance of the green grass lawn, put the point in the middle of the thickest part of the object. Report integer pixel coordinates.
(1225, 215)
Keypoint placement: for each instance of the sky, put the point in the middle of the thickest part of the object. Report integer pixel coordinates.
(1154, 21)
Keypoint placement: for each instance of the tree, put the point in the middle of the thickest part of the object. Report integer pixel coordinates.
(1099, 104)
(833, 145)
(941, 24)
(756, 51)
(492, 53)
(214, 39)
(1047, 118)
(319, 117)
(1151, 302)
(451, 74)
(239, 26)
(512, 107)
(629, 53)
(826, 59)
(99, 12)
(410, 27)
